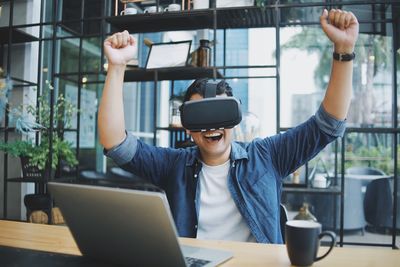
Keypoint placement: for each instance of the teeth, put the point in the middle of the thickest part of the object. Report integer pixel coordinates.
(212, 134)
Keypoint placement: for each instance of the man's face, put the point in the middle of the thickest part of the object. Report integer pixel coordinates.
(215, 146)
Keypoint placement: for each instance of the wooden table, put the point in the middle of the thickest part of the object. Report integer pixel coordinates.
(58, 239)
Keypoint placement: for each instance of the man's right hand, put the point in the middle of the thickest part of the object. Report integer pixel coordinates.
(119, 48)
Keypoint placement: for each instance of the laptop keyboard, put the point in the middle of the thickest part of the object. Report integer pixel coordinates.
(194, 262)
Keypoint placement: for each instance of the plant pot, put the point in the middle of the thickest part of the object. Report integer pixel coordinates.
(31, 171)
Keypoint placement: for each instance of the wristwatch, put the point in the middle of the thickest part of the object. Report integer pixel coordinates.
(344, 57)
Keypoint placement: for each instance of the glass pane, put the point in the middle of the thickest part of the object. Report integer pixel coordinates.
(321, 206)
(321, 200)
(4, 14)
(70, 91)
(303, 91)
(369, 16)
(18, 112)
(49, 10)
(69, 55)
(47, 48)
(371, 150)
(368, 195)
(91, 54)
(247, 47)
(254, 94)
(372, 83)
(237, 47)
(22, 72)
(141, 122)
(398, 136)
(296, 15)
(47, 31)
(25, 12)
(86, 159)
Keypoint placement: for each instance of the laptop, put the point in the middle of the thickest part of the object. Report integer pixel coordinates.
(127, 227)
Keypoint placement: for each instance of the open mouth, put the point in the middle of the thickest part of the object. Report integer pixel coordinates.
(215, 136)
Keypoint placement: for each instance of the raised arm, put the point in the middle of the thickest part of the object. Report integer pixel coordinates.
(341, 28)
(119, 49)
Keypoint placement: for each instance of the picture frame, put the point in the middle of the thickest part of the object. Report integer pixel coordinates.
(178, 54)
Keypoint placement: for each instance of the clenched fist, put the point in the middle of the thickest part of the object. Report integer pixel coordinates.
(119, 48)
(341, 27)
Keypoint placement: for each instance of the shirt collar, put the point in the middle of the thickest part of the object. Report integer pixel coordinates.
(238, 151)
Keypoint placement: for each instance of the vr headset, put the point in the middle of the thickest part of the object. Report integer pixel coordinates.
(211, 112)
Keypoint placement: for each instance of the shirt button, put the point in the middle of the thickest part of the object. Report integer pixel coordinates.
(195, 176)
(195, 226)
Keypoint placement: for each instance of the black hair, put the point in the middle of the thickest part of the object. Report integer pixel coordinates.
(199, 87)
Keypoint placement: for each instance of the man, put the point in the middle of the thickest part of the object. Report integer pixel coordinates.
(222, 189)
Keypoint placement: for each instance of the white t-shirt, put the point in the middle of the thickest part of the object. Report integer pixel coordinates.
(219, 218)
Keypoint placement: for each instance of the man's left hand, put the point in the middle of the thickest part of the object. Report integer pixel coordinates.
(341, 27)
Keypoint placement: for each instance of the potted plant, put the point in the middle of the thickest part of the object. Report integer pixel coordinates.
(37, 155)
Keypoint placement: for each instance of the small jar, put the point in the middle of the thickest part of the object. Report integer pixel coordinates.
(174, 112)
(296, 176)
(204, 53)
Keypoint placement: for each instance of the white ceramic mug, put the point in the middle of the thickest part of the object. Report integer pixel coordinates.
(173, 7)
(201, 4)
(129, 11)
(152, 9)
(320, 181)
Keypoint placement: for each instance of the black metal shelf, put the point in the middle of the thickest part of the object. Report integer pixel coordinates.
(142, 74)
(176, 73)
(244, 17)
(335, 190)
(26, 180)
(18, 36)
(17, 82)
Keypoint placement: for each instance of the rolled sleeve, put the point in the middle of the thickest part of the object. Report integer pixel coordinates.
(329, 124)
(124, 152)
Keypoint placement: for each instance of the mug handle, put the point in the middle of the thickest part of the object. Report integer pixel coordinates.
(166, 9)
(122, 12)
(332, 235)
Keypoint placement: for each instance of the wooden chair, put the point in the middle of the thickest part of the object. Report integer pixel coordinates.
(38, 208)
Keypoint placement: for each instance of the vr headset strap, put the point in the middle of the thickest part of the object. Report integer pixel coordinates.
(211, 89)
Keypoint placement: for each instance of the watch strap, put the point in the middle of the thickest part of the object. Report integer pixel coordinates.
(344, 57)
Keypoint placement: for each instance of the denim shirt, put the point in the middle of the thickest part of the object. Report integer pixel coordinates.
(254, 179)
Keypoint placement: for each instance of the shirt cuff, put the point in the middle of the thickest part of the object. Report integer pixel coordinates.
(124, 152)
(329, 124)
